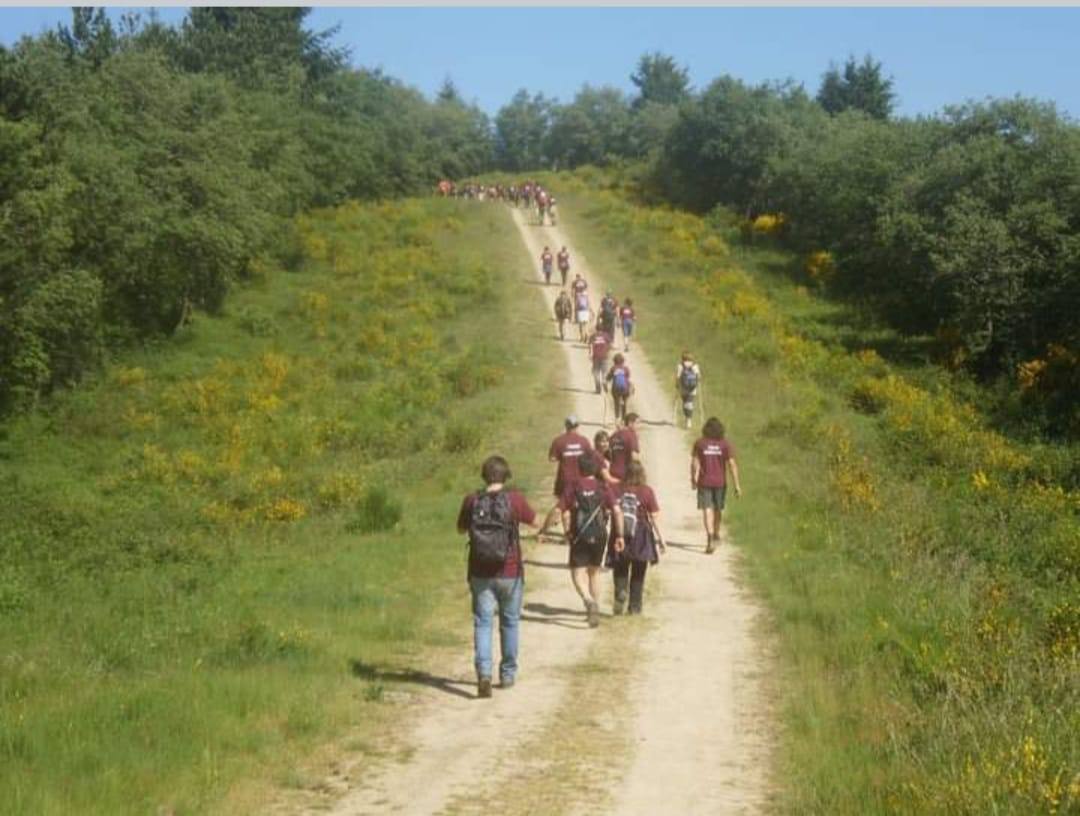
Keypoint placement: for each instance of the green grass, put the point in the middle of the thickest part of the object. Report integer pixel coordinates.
(200, 545)
(926, 623)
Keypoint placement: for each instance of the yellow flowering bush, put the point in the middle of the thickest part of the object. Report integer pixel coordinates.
(820, 267)
(768, 223)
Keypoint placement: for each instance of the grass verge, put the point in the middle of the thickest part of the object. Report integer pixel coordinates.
(922, 570)
(200, 546)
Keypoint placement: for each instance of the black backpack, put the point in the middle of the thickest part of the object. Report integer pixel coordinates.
(629, 504)
(491, 529)
(591, 521)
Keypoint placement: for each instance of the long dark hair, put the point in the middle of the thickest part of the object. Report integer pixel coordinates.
(714, 428)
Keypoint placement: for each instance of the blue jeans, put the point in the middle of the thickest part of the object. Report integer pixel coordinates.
(489, 595)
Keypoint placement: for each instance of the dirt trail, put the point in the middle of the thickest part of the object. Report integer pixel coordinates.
(700, 733)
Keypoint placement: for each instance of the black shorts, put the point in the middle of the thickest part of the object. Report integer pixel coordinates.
(584, 554)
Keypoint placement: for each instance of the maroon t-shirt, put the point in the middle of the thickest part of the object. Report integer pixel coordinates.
(520, 511)
(601, 347)
(713, 456)
(567, 449)
(568, 500)
(579, 285)
(623, 443)
(626, 313)
(645, 495)
(564, 260)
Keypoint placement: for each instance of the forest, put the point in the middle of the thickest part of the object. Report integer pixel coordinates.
(147, 168)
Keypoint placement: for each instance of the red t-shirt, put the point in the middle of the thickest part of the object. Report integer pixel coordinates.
(520, 512)
(567, 449)
(645, 495)
(579, 285)
(623, 443)
(713, 456)
(626, 313)
(546, 259)
(564, 260)
(601, 347)
(568, 500)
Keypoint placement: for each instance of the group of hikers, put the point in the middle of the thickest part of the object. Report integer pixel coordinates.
(608, 513)
(528, 194)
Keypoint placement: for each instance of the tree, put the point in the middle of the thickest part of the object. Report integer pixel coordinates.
(860, 87)
(521, 132)
(659, 80)
(592, 129)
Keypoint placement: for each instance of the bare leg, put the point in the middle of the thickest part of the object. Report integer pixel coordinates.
(707, 517)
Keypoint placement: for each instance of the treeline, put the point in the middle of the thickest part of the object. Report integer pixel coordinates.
(961, 226)
(145, 168)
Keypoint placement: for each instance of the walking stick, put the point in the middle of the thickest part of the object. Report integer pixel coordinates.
(674, 407)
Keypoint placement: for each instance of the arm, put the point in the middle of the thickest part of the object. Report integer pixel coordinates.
(620, 542)
(695, 469)
(654, 522)
(734, 468)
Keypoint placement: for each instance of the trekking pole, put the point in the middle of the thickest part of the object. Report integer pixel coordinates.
(674, 406)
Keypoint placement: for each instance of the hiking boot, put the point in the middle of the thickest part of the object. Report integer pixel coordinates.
(592, 611)
(483, 687)
(506, 683)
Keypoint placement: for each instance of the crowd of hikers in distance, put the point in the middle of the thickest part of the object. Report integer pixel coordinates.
(609, 514)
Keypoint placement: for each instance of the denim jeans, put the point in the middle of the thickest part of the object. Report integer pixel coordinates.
(488, 596)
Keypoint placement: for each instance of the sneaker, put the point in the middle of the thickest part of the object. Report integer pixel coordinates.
(483, 687)
(506, 683)
(710, 548)
(593, 611)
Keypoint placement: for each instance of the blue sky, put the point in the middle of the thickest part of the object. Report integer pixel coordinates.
(936, 56)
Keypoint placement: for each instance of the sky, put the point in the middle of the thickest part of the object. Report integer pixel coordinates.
(935, 56)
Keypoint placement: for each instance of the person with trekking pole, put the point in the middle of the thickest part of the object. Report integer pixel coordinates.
(711, 460)
(564, 312)
(586, 508)
(687, 384)
(567, 449)
(642, 543)
(496, 570)
(621, 387)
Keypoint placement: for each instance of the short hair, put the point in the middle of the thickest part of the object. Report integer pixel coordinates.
(587, 465)
(635, 474)
(495, 470)
(630, 418)
(619, 359)
(714, 428)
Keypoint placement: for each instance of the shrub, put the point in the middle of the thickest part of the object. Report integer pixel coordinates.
(377, 510)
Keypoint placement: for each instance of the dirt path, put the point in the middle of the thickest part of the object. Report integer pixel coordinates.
(695, 714)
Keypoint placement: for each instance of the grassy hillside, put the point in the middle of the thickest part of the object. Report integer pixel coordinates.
(922, 570)
(198, 546)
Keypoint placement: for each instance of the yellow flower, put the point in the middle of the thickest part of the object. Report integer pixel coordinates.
(980, 480)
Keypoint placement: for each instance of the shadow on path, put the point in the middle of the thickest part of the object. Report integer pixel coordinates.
(555, 616)
(698, 548)
(446, 685)
(556, 565)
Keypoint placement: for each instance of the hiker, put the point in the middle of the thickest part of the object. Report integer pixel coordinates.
(643, 542)
(621, 387)
(564, 311)
(551, 211)
(687, 382)
(609, 312)
(602, 447)
(567, 449)
(585, 510)
(541, 205)
(624, 446)
(599, 348)
(563, 259)
(627, 318)
(496, 571)
(582, 311)
(579, 284)
(712, 457)
(546, 259)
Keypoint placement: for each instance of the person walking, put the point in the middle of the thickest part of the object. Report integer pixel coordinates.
(712, 458)
(599, 348)
(621, 386)
(687, 383)
(586, 508)
(582, 312)
(564, 312)
(609, 312)
(602, 447)
(627, 318)
(624, 447)
(546, 260)
(496, 570)
(643, 541)
(563, 260)
(567, 449)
